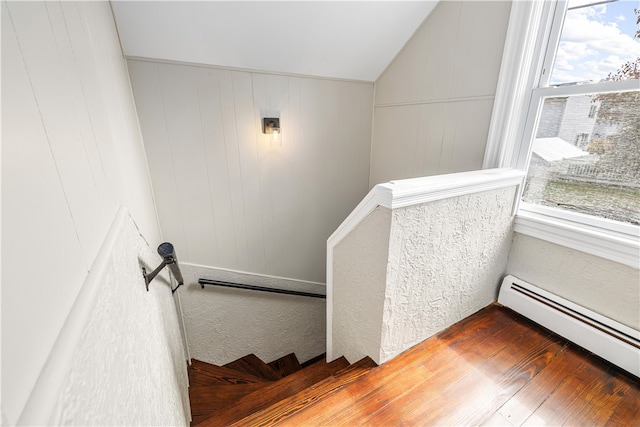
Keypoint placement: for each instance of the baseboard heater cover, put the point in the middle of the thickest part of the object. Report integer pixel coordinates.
(611, 340)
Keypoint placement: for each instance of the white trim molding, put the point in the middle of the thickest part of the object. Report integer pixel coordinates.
(408, 192)
(514, 83)
(528, 55)
(41, 406)
(607, 239)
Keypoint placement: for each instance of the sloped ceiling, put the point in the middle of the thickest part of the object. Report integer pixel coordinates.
(338, 39)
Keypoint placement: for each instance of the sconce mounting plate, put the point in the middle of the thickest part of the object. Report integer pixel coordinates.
(270, 124)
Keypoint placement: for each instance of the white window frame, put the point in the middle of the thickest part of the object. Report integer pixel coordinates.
(530, 48)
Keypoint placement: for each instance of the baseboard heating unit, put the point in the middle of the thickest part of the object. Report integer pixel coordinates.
(613, 341)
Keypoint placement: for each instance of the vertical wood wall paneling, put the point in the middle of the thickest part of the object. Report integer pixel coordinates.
(216, 164)
(70, 38)
(271, 99)
(298, 175)
(115, 121)
(151, 113)
(55, 103)
(34, 205)
(227, 99)
(394, 139)
(430, 132)
(449, 69)
(62, 177)
(249, 170)
(184, 131)
(311, 215)
(269, 210)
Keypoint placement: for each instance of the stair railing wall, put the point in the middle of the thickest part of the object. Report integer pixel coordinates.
(414, 257)
(113, 330)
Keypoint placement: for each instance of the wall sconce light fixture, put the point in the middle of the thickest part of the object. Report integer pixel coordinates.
(271, 126)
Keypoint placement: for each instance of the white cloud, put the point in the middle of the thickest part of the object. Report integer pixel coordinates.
(592, 46)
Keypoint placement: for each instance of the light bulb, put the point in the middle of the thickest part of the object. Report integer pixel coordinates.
(276, 141)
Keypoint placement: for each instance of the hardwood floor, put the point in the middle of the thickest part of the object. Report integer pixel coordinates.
(493, 368)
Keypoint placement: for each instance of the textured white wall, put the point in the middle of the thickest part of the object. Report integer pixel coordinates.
(446, 259)
(226, 198)
(603, 286)
(433, 103)
(224, 324)
(404, 275)
(129, 367)
(71, 155)
(359, 275)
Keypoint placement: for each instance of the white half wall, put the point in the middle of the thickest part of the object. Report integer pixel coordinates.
(402, 275)
(433, 103)
(225, 197)
(606, 287)
(360, 269)
(446, 260)
(223, 324)
(72, 154)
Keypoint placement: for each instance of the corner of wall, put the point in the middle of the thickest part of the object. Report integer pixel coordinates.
(359, 280)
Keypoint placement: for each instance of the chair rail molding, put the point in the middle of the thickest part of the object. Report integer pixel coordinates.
(40, 408)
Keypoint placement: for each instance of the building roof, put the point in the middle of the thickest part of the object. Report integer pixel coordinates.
(554, 149)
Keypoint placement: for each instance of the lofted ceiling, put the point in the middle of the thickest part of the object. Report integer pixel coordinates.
(338, 39)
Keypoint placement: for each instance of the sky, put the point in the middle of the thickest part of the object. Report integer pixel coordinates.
(595, 41)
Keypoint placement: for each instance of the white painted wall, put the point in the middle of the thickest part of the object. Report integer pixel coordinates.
(71, 155)
(604, 286)
(224, 324)
(433, 103)
(359, 272)
(129, 367)
(225, 197)
(403, 275)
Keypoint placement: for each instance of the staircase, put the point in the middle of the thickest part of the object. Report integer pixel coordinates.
(249, 391)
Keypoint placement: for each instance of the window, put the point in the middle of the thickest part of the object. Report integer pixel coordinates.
(581, 140)
(576, 164)
(570, 115)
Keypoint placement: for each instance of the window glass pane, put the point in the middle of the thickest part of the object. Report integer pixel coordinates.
(598, 41)
(586, 156)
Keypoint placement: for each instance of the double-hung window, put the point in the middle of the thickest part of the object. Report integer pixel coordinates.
(577, 131)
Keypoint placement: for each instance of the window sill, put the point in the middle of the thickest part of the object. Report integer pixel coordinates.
(607, 239)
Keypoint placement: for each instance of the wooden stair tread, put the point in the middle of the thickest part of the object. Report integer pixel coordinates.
(205, 400)
(276, 391)
(313, 360)
(493, 368)
(470, 333)
(286, 365)
(307, 397)
(203, 374)
(252, 364)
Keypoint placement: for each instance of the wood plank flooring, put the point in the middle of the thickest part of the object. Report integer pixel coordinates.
(493, 368)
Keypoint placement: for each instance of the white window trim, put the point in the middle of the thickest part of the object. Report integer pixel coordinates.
(519, 97)
(581, 232)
